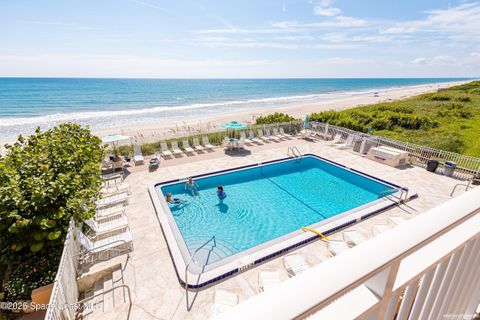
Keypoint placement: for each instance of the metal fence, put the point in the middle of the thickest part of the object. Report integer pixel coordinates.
(63, 301)
(467, 166)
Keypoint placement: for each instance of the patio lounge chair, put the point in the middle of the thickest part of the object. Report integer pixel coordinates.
(261, 136)
(196, 145)
(115, 188)
(137, 155)
(353, 237)
(109, 211)
(347, 144)
(175, 148)
(118, 165)
(108, 224)
(286, 135)
(222, 301)
(243, 137)
(269, 135)
(251, 136)
(337, 247)
(325, 134)
(117, 244)
(308, 134)
(276, 134)
(164, 150)
(268, 279)
(111, 200)
(294, 264)
(336, 140)
(186, 146)
(206, 143)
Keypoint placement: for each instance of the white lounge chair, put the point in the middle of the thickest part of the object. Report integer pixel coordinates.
(268, 279)
(269, 135)
(186, 147)
(325, 134)
(115, 188)
(222, 301)
(243, 137)
(276, 134)
(336, 140)
(196, 145)
(353, 237)
(308, 134)
(137, 155)
(121, 239)
(337, 247)
(111, 200)
(206, 143)
(175, 148)
(286, 135)
(109, 211)
(261, 136)
(294, 264)
(164, 150)
(251, 136)
(107, 224)
(347, 144)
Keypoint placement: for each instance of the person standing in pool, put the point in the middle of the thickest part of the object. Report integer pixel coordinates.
(169, 199)
(220, 193)
(191, 186)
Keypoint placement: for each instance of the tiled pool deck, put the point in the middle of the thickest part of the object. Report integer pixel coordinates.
(156, 292)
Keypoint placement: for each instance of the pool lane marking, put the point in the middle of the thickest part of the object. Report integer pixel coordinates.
(293, 196)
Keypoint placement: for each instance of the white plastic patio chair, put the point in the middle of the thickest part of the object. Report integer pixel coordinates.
(347, 143)
(108, 224)
(268, 279)
(186, 147)
(261, 136)
(137, 155)
(222, 301)
(252, 137)
(336, 140)
(353, 237)
(109, 211)
(269, 135)
(206, 143)
(294, 264)
(175, 148)
(196, 145)
(115, 188)
(337, 247)
(165, 152)
(244, 138)
(276, 134)
(286, 135)
(111, 200)
(114, 241)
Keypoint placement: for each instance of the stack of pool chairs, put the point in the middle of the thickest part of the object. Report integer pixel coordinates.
(107, 234)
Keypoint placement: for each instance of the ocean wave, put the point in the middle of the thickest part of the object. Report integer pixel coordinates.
(75, 116)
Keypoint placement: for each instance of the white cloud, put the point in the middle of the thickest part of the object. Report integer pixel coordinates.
(444, 60)
(296, 38)
(420, 61)
(326, 12)
(475, 54)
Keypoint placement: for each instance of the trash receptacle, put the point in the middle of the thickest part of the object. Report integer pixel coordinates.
(449, 168)
(432, 165)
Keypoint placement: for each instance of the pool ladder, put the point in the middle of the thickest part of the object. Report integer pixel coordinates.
(294, 152)
(400, 199)
(192, 259)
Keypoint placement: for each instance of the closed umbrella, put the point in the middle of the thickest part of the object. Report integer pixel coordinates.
(306, 122)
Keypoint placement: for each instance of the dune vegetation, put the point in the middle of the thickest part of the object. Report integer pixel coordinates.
(447, 120)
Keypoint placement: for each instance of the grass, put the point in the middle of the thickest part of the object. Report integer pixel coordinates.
(447, 120)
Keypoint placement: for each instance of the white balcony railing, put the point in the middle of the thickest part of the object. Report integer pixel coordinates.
(425, 268)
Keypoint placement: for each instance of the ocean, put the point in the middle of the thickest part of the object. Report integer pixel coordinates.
(26, 103)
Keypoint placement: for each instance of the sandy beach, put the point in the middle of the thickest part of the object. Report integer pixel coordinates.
(154, 132)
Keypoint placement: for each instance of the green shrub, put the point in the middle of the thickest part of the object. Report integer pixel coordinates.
(437, 97)
(464, 99)
(276, 117)
(46, 180)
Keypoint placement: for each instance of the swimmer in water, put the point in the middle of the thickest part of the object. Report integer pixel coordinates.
(191, 186)
(220, 193)
(171, 200)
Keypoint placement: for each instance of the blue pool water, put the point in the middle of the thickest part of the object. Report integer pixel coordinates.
(267, 202)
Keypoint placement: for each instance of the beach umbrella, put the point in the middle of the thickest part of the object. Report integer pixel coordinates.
(234, 125)
(306, 122)
(113, 139)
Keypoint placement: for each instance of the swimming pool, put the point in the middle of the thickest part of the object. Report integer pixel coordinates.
(265, 205)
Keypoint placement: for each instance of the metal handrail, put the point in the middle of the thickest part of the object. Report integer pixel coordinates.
(193, 260)
(467, 186)
(400, 199)
(295, 152)
(124, 286)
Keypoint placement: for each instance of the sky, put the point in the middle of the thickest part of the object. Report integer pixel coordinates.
(239, 39)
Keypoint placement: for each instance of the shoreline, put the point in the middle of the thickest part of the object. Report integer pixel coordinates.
(148, 132)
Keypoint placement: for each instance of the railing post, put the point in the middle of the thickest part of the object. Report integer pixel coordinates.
(383, 287)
